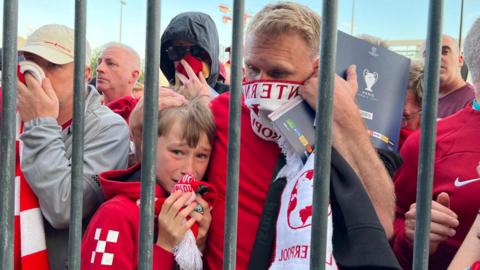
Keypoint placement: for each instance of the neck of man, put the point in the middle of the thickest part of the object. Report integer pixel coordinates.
(450, 87)
(116, 94)
(65, 113)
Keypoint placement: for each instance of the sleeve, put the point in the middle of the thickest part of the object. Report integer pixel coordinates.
(475, 266)
(47, 165)
(109, 241)
(162, 259)
(405, 189)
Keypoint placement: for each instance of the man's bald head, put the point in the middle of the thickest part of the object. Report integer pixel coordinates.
(117, 71)
(450, 66)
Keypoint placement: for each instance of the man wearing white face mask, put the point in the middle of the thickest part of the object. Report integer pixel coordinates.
(281, 60)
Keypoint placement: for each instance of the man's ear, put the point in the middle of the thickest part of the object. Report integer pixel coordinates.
(316, 65)
(134, 76)
(88, 73)
(461, 60)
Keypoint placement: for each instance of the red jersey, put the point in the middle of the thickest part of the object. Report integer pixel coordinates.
(257, 163)
(123, 106)
(456, 158)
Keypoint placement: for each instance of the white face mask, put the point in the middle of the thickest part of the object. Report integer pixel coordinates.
(262, 98)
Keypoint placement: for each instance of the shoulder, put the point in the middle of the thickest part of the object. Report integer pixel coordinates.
(99, 118)
(220, 101)
(116, 210)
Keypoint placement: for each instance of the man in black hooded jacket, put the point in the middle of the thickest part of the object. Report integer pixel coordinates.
(195, 34)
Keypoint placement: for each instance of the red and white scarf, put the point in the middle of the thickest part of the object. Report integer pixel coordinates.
(30, 246)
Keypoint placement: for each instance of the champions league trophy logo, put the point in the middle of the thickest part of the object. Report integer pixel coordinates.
(370, 79)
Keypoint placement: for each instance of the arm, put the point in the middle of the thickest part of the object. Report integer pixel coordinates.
(195, 86)
(443, 220)
(112, 220)
(469, 251)
(46, 164)
(350, 138)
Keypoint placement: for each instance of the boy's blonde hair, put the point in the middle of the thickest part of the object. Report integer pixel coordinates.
(285, 17)
(194, 117)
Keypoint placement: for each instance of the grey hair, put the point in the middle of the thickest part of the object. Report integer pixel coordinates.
(471, 51)
(127, 48)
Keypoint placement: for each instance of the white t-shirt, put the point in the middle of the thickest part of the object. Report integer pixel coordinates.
(292, 245)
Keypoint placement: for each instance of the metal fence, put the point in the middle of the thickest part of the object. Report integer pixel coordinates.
(322, 167)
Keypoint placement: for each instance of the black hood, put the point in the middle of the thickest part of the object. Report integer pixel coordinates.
(197, 28)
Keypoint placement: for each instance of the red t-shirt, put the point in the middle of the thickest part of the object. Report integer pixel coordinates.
(455, 101)
(257, 163)
(456, 158)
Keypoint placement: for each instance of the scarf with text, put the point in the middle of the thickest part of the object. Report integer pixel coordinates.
(263, 97)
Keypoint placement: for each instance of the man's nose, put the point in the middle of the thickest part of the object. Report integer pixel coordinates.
(100, 67)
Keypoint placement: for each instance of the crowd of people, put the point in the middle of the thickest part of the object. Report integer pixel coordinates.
(372, 204)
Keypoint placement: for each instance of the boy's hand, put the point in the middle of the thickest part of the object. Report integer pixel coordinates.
(172, 224)
(203, 219)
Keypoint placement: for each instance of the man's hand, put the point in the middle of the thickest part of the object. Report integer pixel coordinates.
(204, 221)
(442, 224)
(343, 94)
(350, 138)
(193, 86)
(172, 224)
(35, 100)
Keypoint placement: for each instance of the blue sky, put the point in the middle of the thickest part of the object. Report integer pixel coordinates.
(387, 19)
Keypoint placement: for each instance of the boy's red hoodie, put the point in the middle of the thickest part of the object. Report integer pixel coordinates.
(112, 237)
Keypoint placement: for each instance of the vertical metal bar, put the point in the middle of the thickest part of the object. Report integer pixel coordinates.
(352, 27)
(75, 227)
(323, 133)
(460, 31)
(428, 135)
(8, 127)
(233, 163)
(149, 136)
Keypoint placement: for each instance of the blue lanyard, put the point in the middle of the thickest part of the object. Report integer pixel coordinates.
(475, 105)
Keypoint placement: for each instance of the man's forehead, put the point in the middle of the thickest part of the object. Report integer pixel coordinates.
(447, 43)
(113, 51)
(34, 57)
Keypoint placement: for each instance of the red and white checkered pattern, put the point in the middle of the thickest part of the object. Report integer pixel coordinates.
(104, 258)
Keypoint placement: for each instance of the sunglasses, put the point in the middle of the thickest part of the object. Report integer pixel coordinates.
(176, 53)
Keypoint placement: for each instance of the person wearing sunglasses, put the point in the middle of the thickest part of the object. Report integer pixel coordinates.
(189, 55)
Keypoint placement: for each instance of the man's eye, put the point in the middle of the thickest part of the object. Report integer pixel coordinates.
(252, 70)
(277, 74)
(54, 66)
